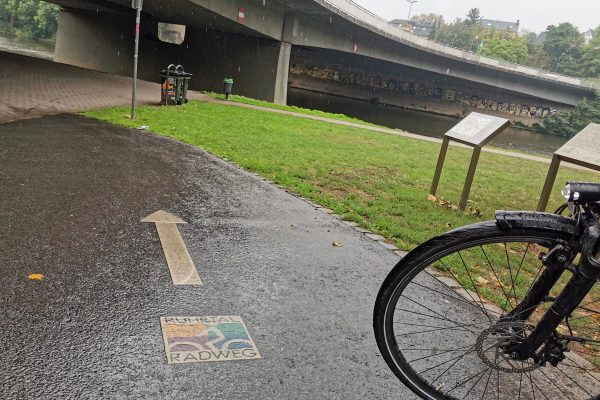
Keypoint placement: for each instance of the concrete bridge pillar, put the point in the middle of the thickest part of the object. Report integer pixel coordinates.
(104, 42)
(283, 73)
(100, 42)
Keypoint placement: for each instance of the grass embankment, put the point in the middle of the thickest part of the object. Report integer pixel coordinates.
(254, 102)
(379, 180)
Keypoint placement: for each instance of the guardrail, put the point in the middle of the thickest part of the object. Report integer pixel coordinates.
(362, 16)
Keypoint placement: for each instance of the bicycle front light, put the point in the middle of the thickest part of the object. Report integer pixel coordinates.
(566, 192)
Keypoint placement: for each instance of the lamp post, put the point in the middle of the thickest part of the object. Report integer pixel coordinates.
(473, 42)
(453, 39)
(558, 62)
(410, 8)
(137, 5)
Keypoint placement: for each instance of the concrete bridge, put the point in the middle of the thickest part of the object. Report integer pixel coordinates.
(333, 46)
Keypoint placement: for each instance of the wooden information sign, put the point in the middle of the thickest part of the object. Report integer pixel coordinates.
(583, 149)
(476, 130)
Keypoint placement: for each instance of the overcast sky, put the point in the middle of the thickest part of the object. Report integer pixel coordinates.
(535, 15)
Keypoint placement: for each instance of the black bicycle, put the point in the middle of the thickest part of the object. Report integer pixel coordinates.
(505, 309)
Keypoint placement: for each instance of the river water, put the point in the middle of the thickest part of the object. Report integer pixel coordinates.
(28, 47)
(422, 123)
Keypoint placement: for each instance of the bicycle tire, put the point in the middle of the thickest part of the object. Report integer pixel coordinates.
(424, 256)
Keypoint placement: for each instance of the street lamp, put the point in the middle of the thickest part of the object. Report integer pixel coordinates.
(473, 42)
(453, 39)
(410, 8)
(558, 62)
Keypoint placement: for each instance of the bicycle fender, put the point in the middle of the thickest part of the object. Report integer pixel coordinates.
(507, 220)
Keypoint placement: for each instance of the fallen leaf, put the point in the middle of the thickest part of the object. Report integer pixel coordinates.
(449, 225)
(337, 244)
(482, 280)
(36, 277)
(431, 197)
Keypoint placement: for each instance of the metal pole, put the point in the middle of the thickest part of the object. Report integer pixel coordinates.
(550, 179)
(410, 8)
(558, 62)
(440, 165)
(137, 4)
(469, 181)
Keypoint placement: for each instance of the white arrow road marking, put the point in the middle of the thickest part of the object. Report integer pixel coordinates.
(183, 271)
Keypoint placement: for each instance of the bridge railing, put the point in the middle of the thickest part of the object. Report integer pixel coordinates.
(363, 16)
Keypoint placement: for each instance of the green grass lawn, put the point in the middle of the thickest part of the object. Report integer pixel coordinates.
(379, 180)
(254, 102)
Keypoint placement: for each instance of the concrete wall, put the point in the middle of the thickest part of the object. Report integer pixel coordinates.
(358, 77)
(105, 43)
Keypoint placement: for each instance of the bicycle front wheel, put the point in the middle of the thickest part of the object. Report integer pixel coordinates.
(437, 314)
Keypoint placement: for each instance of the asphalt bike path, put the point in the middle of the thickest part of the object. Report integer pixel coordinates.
(74, 194)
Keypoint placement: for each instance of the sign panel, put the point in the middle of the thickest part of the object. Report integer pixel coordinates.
(477, 129)
(583, 147)
(205, 339)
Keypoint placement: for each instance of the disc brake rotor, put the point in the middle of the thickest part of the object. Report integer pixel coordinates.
(493, 341)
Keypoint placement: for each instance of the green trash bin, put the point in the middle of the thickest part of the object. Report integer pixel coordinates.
(227, 86)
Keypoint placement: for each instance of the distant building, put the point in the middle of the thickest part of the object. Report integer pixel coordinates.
(540, 39)
(417, 28)
(589, 35)
(501, 25)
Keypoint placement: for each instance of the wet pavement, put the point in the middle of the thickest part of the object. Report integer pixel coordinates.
(74, 192)
(32, 87)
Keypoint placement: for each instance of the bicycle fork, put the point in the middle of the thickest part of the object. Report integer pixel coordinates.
(574, 292)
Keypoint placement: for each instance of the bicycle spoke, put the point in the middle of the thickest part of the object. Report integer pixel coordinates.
(476, 382)
(520, 385)
(447, 295)
(497, 278)
(426, 315)
(482, 309)
(534, 384)
(571, 379)
(435, 355)
(583, 369)
(436, 313)
(486, 384)
(552, 381)
(522, 261)
(513, 290)
(458, 358)
(474, 287)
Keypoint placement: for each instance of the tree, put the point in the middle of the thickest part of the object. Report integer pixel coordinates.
(590, 59)
(473, 16)
(428, 19)
(569, 124)
(513, 49)
(563, 46)
(458, 34)
(31, 18)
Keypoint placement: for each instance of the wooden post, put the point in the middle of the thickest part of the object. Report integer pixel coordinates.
(550, 178)
(470, 175)
(440, 164)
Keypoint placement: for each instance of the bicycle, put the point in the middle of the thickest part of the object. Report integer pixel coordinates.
(504, 309)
